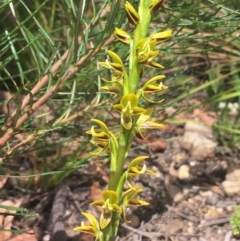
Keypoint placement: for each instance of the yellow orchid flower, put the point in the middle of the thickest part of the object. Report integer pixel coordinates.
(130, 198)
(116, 66)
(92, 229)
(109, 203)
(134, 169)
(146, 52)
(103, 138)
(128, 107)
(143, 123)
(150, 87)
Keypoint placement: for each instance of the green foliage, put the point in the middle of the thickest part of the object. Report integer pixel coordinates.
(235, 221)
(203, 59)
(227, 129)
(49, 53)
(16, 212)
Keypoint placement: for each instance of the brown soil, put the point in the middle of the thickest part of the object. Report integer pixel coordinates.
(195, 208)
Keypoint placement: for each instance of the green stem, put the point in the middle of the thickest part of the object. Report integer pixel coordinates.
(140, 32)
(116, 173)
(116, 181)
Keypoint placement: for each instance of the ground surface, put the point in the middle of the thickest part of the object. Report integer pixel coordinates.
(187, 198)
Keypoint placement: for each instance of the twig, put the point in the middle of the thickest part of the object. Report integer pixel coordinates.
(145, 234)
(9, 132)
(152, 235)
(216, 221)
(58, 210)
(228, 236)
(192, 219)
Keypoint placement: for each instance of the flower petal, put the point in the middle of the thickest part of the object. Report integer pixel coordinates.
(93, 229)
(154, 65)
(132, 14)
(122, 36)
(116, 58)
(161, 36)
(155, 5)
(136, 161)
(85, 229)
(111, 195)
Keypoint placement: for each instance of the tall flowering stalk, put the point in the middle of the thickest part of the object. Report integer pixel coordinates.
(134, 119)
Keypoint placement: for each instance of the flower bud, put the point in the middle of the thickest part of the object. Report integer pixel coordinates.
(155, 5)
(122, 36)
(132, 14)
(161, 36)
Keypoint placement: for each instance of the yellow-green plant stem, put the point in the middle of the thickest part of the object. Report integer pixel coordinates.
(140, 32)
(116, 180)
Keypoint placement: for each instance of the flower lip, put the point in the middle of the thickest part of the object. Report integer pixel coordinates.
(128, 107)
(109, 203)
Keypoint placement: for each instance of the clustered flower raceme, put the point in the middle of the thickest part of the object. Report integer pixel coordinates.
(133, 118)
(110, 201)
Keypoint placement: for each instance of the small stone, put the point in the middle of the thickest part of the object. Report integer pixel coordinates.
(202, 239)
(194, 239)
(180, 158)
(174, 226)
(190, 224)
(198, 139)
(190, 230)
(159, 145)
(230, 208)
(212, 198)
(190, 200)
(231, 188)
(192, 163)
(134, 220)
(212, 213)
(178, 197)
(203, 194)
(183, 172)
(198, 198)
(158, 174)
(185, 191)
(46, 237)
(228, 236)
(220, 210)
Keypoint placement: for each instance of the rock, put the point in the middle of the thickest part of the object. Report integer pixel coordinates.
(212, 198)
(212, 213)
(183, 172)
(232, 183)
(180, 158)
(46, 237)
(173, 190)
(174, 226)
(134, 220)
(158, 145)
(231, 188)
(197, 139)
